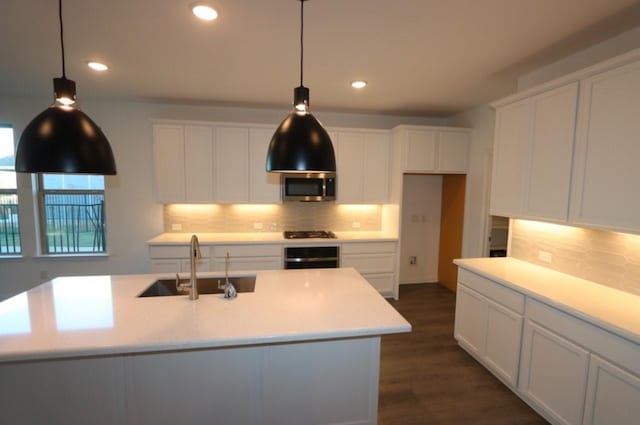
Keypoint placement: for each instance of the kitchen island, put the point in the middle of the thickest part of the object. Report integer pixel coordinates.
(303, 348)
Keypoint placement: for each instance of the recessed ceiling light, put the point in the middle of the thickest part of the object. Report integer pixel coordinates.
(97, 66)
(358, 84)
(204, 11)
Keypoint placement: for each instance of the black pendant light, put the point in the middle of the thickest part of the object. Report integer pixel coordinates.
(62, 138)
(301, 144)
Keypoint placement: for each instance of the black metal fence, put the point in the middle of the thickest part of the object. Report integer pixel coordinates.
(9, 225)
(74, 223)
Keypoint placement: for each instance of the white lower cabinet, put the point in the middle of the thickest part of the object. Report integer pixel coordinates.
(553, 375)
(248, 257)
(375, 261)
(175, 259)
(569, 370)
(489, 324)
(613, 395)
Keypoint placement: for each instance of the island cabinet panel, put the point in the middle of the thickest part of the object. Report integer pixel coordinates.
(606, 168)
(344, 393)
(194, 387)
(488, 324)
(375, 261)
(69, 391)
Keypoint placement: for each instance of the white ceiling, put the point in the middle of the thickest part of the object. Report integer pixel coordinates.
(420, 57)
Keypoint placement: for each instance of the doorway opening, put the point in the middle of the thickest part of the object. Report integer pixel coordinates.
(432, 226)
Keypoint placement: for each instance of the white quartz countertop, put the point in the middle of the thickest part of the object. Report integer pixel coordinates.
(102, 315)
(611, 309)
(267, 237)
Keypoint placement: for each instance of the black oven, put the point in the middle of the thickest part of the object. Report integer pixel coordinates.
(311, 257)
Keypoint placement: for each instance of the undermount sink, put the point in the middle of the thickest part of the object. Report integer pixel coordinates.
(206, 285)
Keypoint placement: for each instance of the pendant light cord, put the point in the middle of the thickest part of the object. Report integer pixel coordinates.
(301, 40)
(64, 75)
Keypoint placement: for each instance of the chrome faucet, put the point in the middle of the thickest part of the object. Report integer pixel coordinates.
(194, 256)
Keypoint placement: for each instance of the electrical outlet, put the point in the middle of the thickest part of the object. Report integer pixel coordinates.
(413, 260)
(176, 226)
(355, 224)
(545, 256)
(257, 226)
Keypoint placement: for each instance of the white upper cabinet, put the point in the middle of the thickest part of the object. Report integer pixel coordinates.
(362, 166)
(432, 149)
(606, 171)
(264, 187)
(214, 163)
(532, 156)
(198, 153)
(231, 164)
(513, 127)
(168, 150)
(549, 170)
(567, 151)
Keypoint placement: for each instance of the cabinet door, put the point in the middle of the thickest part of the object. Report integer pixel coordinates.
(420, 152)
(606, 171)
(350, 167)
(232, 164)
(471, 320)
(375, 172)
(167, 265)
(453, 152)
(513, 129)
(198, 163)
(168, 144)
(613, 395)
(502, 346)
(547, 191)
(263, 187)
(553, 375)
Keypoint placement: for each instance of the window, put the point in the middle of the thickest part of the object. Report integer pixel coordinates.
(9, 222)
(72, 214)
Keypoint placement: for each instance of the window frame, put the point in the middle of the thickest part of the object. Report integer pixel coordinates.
(13, 191)
(43, 237)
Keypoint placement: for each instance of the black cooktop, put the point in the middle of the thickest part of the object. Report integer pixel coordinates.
(309, 234)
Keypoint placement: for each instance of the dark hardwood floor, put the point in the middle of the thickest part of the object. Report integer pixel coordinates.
(426, 378)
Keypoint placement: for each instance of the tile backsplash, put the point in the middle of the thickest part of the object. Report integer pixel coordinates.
(608, 258)
(272, 217)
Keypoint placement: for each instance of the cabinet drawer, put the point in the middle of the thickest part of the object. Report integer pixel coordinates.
(383, 282)
(365, 248)
(612, 347)
(370, 263)
(266, 250)
(492, 290)
(250, 263)
(175, 251)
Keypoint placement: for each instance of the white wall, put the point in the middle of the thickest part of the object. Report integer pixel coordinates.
(420, 234)
(476, 210)
(132, 213)
(614, 46)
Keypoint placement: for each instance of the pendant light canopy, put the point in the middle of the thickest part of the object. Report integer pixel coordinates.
(301, 144)
(62, 138)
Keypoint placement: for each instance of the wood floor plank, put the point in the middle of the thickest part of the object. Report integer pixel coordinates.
(426, 378)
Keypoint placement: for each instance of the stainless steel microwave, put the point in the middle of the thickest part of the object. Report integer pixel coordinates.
(311, 187)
